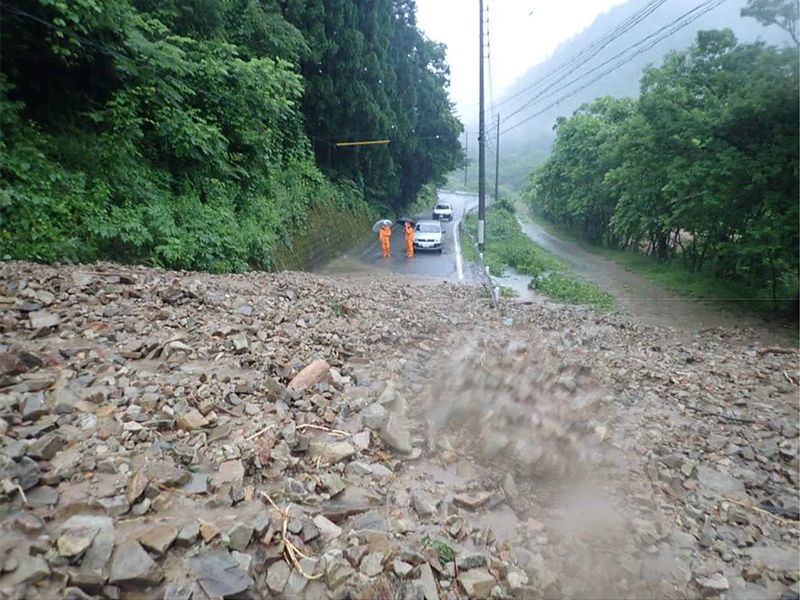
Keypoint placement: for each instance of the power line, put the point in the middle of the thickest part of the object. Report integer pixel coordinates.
(592, 50)
(676, 25)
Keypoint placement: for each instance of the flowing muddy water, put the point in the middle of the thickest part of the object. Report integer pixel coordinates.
(646, 302)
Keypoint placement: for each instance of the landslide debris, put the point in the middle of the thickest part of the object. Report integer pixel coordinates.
(184, 435)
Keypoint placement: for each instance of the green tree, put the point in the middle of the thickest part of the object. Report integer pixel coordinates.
(783, 13)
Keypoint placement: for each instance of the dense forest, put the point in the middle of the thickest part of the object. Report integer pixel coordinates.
(201, 134)
(701, 168)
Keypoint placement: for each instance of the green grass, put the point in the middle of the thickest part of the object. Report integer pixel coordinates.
(570, 290)
(673, 275)
(507, 247)
(507, 292)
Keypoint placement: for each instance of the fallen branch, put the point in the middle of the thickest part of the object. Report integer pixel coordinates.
(21, 493)
(776, 350)
(338, 432)
(764, 512)
(290, 551)
(259, 433)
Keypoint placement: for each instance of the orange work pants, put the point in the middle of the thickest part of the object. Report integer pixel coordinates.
(410, 247)
(386, 248)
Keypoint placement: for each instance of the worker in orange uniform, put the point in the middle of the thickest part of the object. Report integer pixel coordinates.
(409, 240)
(386, 241)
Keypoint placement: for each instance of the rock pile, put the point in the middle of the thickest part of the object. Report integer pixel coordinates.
(183, 435)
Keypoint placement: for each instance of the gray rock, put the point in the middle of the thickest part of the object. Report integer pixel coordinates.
(43, 496)
(240, 343)
(511, 491)
(219, 574)
(114, 506)
(327, 529)
(422, 504)
(374, 416)
(372, 564)
(132, 566)
(517, 581)
(278, 577)
(402, 569)
(158, 538)
(471, 560)
(395, 434)
(34, 407)
(177, 592)
(715, 481)
(477, 583)
(243, 560)
(331, 453)
(355, 554)
(99, 554)
(380, 472)
(245, 309)
(261, 523)
(361, 440)
(239, 536)
(168, 474)
(428, 583)
(682, 540)
(332, 483)
(198, 484)
(297, 583)
(715, 583)
(188, 534)
(47, 446)
(371, 520)
(43, 319)
(73, 543)
(773, 557)
(338, 572)
(357, 468)
(31, 570)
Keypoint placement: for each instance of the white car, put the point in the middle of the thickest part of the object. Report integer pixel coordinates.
(443, 211)
(428, 236)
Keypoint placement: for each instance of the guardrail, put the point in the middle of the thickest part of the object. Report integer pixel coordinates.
(494, 291)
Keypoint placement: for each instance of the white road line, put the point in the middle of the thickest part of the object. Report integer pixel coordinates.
(459, 266)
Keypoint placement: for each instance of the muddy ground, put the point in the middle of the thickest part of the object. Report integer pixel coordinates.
(183, 435)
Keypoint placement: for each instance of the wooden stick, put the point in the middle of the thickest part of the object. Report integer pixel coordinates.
(776, 351)
(765, 512)
(255, 435)
(325, 429)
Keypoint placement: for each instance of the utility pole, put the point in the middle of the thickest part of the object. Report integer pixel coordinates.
(497, 163)
(481, 149)
(466, 162)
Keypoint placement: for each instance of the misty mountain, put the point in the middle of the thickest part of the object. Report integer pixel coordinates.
(562, 83)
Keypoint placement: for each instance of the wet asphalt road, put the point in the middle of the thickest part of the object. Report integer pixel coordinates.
(367, 258)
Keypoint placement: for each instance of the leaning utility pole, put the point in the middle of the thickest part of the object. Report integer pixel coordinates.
(481, 149)
(497, 162)
(466, 162)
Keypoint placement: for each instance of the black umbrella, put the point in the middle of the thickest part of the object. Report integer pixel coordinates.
(403, 220)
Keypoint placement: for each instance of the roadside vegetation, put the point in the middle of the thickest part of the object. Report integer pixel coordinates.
(507, 247)
(672, 275)
(201, 134)
(695, 184)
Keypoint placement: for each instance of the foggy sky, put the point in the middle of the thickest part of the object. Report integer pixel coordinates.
(522, 33)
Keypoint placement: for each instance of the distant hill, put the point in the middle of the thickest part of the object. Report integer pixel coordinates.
(529, 143)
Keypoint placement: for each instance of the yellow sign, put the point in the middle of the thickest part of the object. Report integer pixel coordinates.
(370, 143)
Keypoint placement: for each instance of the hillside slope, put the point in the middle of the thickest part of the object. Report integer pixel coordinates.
(529, 142)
